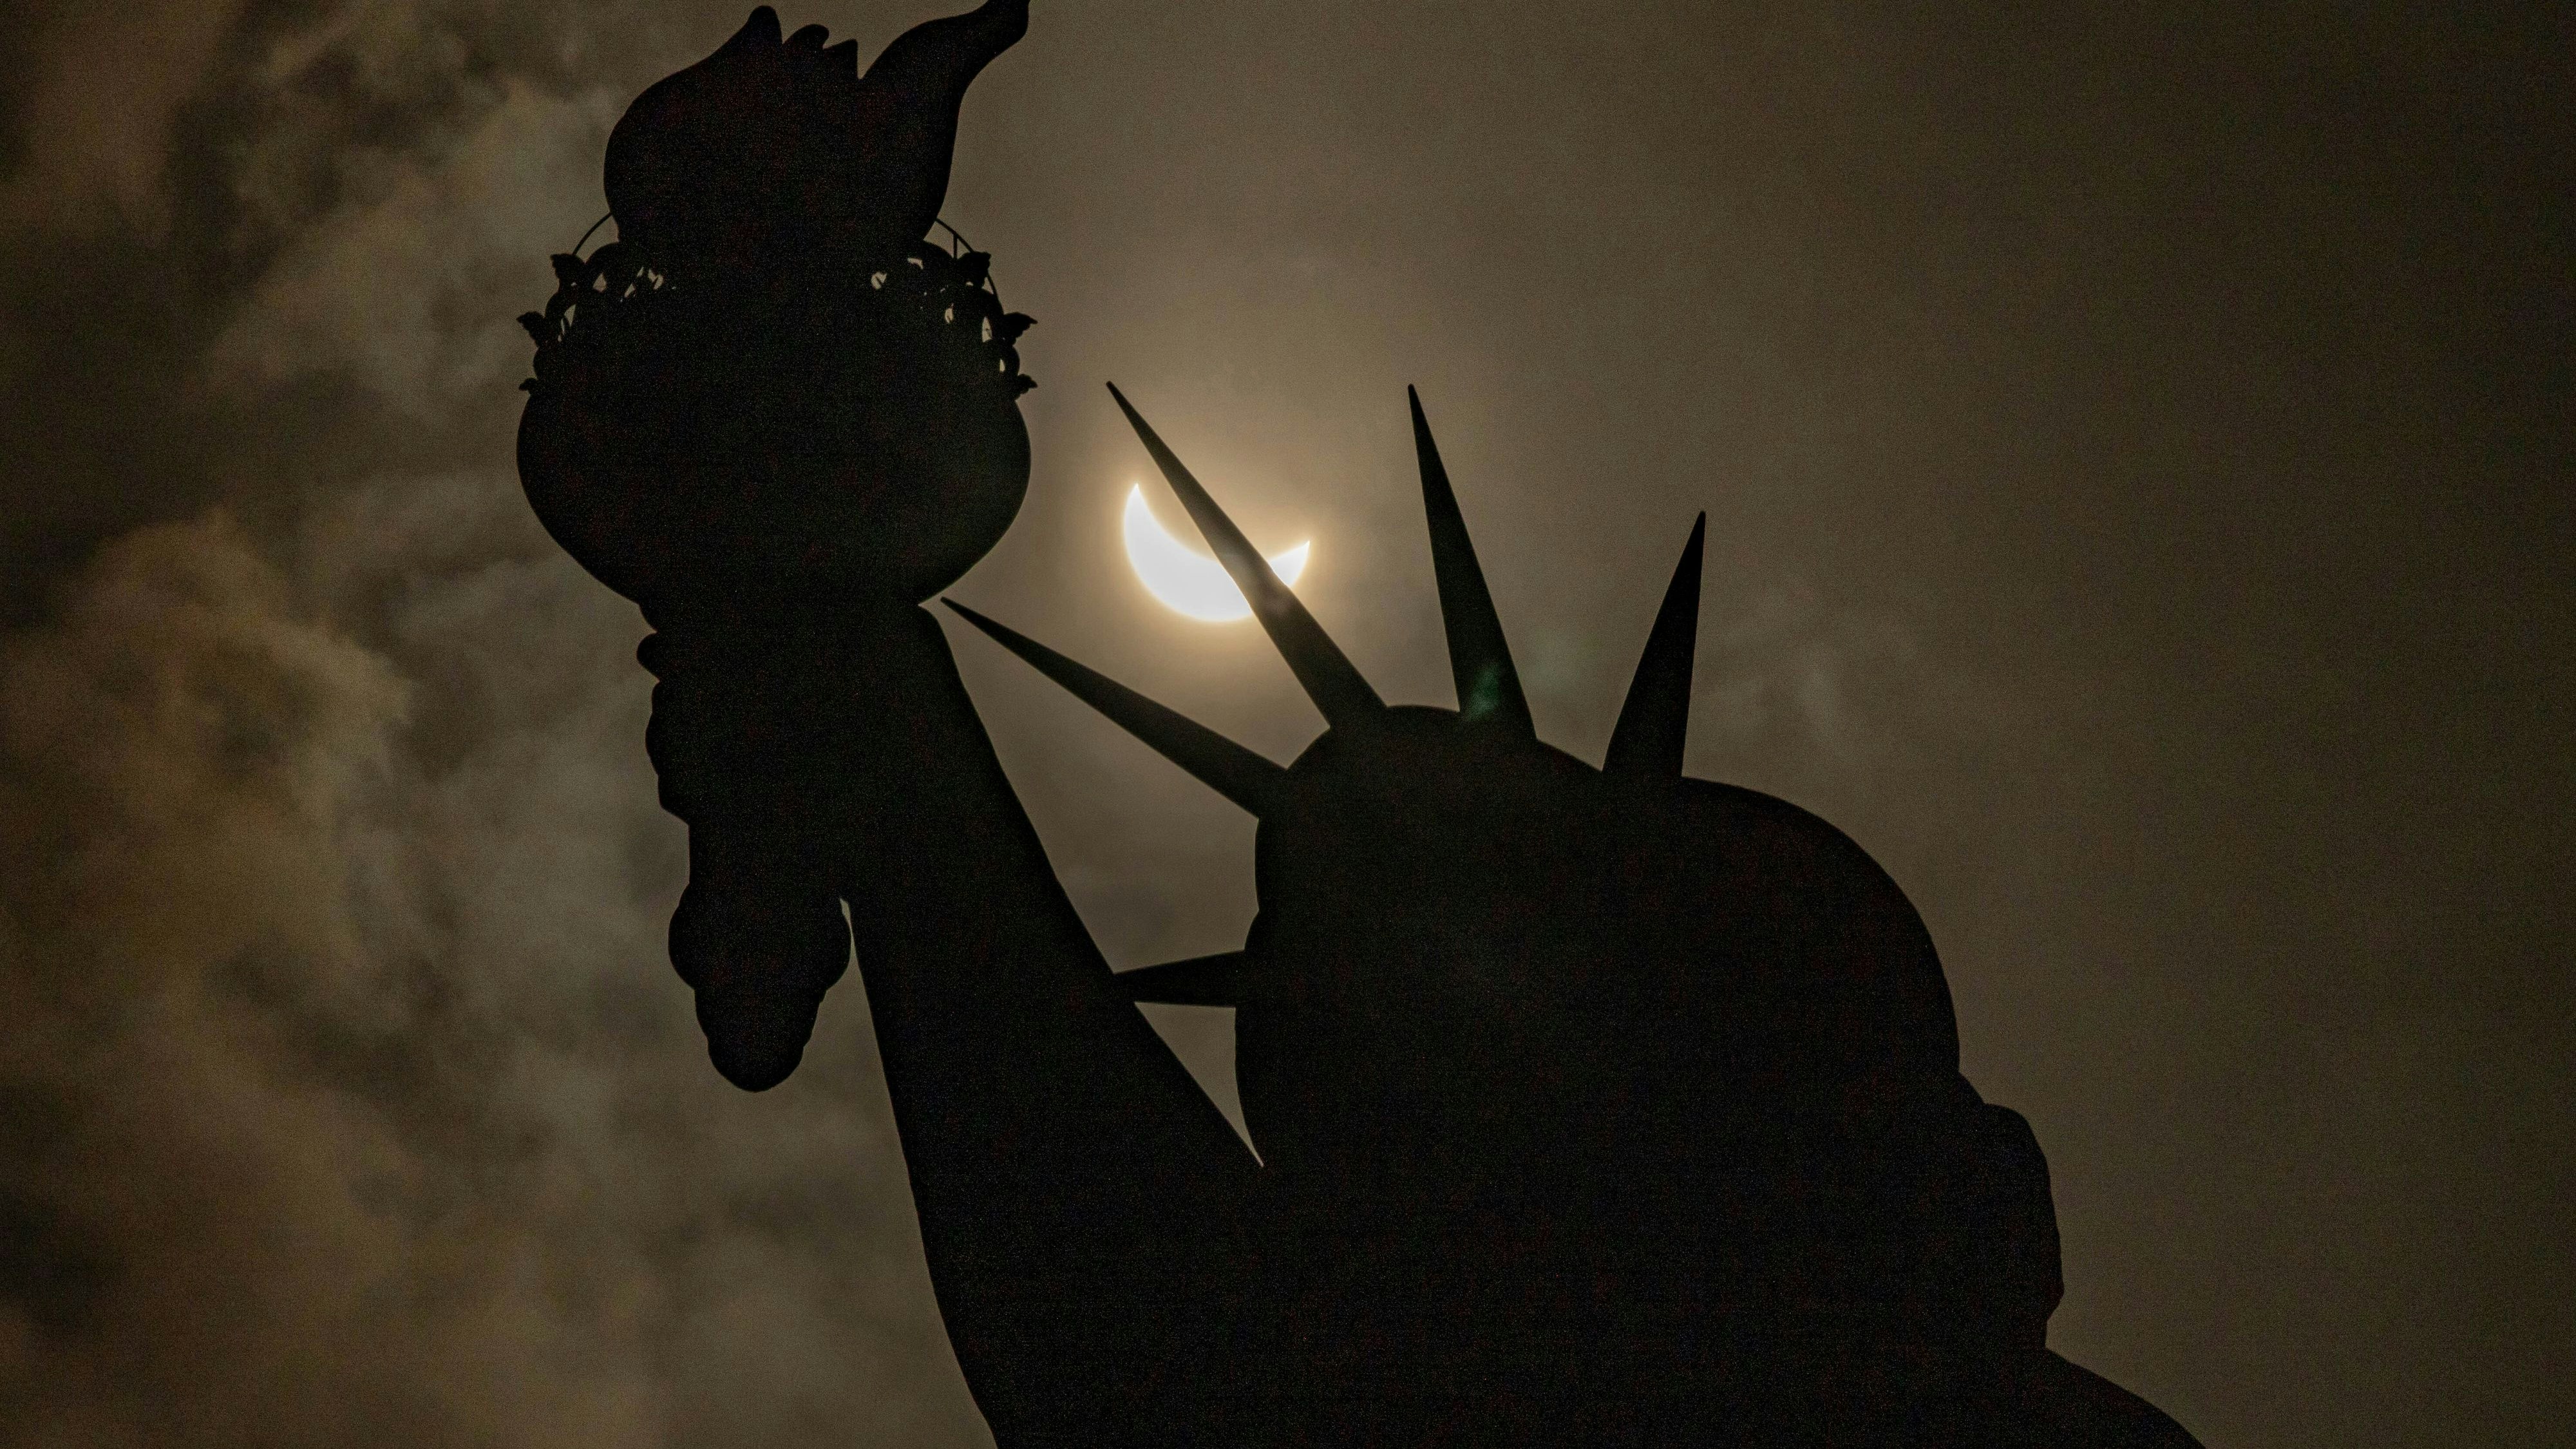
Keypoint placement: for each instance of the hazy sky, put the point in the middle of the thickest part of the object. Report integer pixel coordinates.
(2137, 444)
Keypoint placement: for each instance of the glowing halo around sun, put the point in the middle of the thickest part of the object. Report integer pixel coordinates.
(1185, 580)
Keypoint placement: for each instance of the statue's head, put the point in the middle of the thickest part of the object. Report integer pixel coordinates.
(1480, 960)
(1487, 978)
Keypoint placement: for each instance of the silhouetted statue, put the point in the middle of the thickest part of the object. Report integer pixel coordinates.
(1595, 1106)
(769, 404)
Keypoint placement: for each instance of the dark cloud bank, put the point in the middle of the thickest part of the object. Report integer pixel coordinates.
(2137, 450)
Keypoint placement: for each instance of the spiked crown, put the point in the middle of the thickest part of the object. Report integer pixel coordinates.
(1476, 954)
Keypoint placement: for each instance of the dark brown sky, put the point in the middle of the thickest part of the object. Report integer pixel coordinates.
(2137, 451)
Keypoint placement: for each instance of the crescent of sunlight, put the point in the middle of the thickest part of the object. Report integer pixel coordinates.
(1185, 580)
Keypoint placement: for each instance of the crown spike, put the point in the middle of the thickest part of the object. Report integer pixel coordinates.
(1480, 658)
(1203, 981)
(1652, 724)
(1222, 765)
(1329, 679)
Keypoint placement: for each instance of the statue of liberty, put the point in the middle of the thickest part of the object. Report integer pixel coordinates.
(1595, 1106)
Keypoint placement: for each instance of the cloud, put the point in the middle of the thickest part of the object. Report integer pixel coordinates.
(103, 85)
(346, 1095)
(349, 1098)
(2134, 451)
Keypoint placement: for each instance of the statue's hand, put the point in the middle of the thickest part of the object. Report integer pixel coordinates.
(749, 738)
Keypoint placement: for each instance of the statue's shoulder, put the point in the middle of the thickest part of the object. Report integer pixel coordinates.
(2068, 1406)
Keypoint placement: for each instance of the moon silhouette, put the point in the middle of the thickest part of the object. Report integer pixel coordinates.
(1185, 580)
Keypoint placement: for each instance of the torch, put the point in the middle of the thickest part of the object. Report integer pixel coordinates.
(770, 413)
